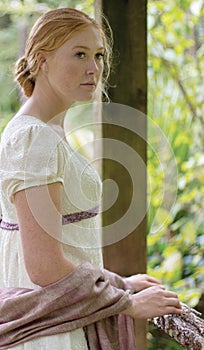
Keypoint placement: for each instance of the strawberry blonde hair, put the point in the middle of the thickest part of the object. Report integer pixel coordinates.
(51, 31)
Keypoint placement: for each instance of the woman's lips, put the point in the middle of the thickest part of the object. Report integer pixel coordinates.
(89, 85)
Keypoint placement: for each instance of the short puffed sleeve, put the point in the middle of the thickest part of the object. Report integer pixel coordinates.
(31, 156)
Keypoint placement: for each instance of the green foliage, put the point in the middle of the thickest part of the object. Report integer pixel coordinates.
(176, 104)
(9, 97)
(158, 341)
(30, 7)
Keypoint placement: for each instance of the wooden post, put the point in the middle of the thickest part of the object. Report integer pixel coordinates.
(127, 255)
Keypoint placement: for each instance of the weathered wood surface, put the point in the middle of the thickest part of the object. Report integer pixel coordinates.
(128, 87)
(187, 329)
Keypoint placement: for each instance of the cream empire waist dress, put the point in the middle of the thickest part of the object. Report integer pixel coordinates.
(32, 154)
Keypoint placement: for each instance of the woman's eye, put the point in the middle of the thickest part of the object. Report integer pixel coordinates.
(100, 56)
(80, 54)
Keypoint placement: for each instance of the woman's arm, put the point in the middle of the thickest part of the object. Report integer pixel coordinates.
(39, 215)
(40, 221)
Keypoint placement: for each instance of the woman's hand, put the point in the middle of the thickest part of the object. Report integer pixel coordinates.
(154, 301)
(142, 281)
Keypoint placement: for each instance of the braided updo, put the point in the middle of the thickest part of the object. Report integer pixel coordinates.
(51, 31)
(24, 76)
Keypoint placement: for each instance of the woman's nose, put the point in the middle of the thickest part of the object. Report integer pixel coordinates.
(92, 67)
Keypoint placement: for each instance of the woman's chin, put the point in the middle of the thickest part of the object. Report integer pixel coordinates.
(87, 99)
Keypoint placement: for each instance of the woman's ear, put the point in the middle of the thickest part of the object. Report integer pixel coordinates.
(41, 59)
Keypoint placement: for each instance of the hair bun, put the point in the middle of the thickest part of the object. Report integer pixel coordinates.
(23, 76)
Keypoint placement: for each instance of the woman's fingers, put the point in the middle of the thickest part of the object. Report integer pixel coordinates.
(172, 302)
(173, 310)
(172, 299)
(152, 280)
(142, 281)
(170, 294)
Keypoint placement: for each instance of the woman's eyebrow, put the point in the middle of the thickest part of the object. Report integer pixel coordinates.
(86, 47)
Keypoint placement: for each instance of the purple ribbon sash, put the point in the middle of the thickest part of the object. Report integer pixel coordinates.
(66, 219)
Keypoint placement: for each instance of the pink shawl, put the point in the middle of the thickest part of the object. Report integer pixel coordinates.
(87, 297)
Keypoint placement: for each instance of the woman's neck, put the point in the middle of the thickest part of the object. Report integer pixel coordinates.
(45, 105)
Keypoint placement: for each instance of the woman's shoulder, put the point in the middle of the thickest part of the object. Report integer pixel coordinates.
(24, 129)
(19, 124)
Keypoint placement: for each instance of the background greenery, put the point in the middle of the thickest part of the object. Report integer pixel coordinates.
(176, 105)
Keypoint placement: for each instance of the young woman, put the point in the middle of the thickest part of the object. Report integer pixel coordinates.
(43, 180)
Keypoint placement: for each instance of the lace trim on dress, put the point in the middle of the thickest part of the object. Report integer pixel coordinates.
(66, 219)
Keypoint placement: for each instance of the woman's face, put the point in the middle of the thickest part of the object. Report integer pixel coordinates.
(74, 69)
